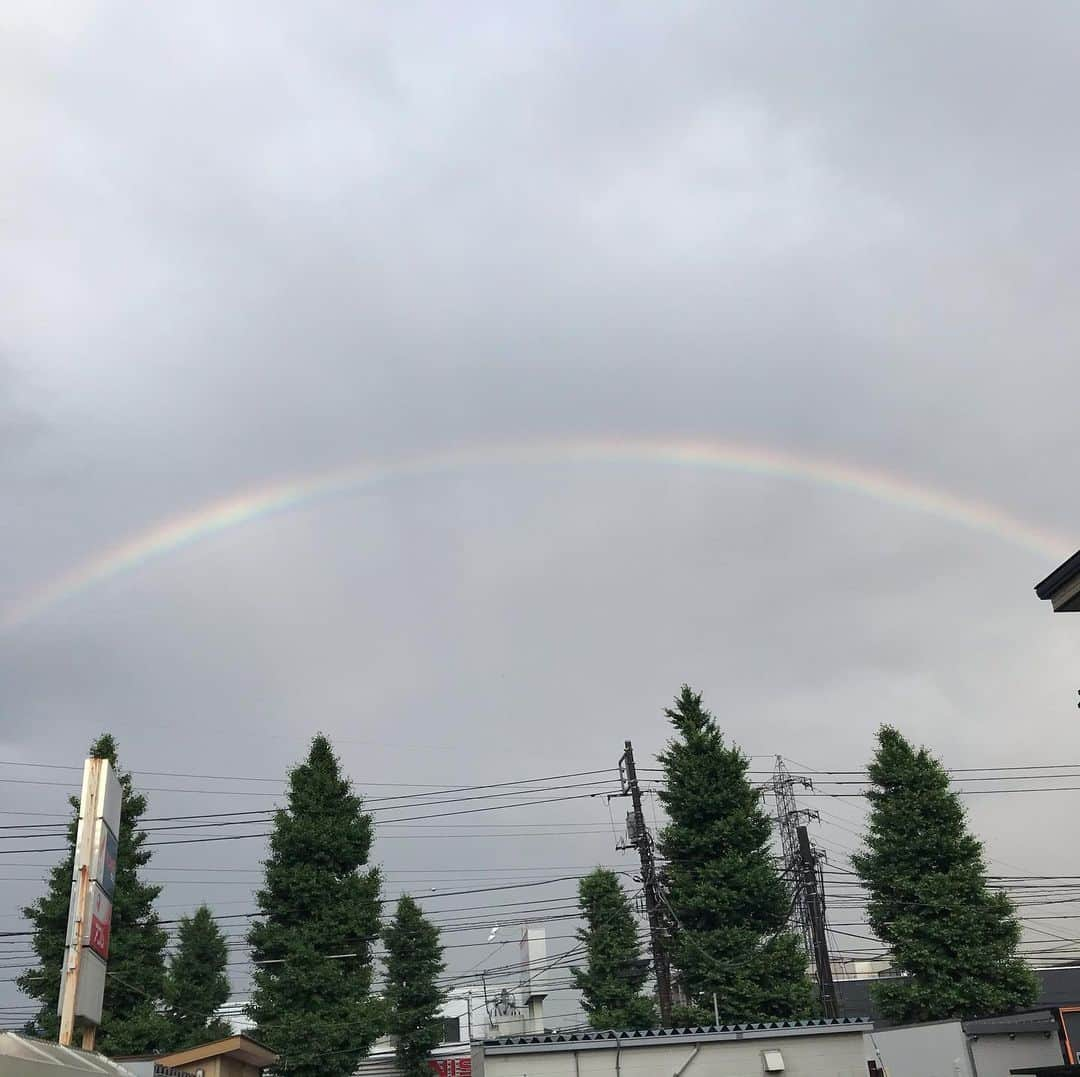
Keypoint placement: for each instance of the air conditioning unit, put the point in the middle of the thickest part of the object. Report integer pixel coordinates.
(773, 1061)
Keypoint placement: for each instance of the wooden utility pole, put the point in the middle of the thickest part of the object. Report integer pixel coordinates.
(641, 839)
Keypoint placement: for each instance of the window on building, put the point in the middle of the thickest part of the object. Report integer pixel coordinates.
(451, 1029)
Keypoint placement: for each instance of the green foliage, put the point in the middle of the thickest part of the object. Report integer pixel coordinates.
(611, 985)
(413, 996)
(729, 906)
(131, 1021)
(197, 985)
(319, 900)
(952, 937)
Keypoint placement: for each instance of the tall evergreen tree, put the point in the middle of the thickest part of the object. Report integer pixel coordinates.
(729, 906)
(413, 996)
(954, 939)
(131, 1021)
(197, 985)
(611, 986)
(320, 900)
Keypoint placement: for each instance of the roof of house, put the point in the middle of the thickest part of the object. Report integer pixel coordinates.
(1059, 986)
(1059, 578)
(25, 1054)
(241, 1047)
(554, 1041)
(1011, 1023)
(1049, 1071)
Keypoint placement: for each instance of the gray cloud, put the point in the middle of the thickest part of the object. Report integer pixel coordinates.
(253, 242)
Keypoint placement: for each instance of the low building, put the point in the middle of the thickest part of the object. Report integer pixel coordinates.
(822, 1048)
(479, 1011)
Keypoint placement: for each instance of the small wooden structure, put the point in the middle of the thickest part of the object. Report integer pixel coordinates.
(236, 1056)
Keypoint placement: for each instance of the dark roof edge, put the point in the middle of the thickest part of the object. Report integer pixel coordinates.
(654, 1035)
(1062, 574)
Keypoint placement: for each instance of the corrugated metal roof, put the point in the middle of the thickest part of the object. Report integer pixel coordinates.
(23, 1055)
(633, 1037)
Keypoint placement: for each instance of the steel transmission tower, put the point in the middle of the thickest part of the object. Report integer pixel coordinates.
(802, 869)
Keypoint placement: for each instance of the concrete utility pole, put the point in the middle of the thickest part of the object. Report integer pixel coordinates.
(811, 884)
(641, 839)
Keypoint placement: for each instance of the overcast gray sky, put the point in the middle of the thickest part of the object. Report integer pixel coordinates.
(250, 242)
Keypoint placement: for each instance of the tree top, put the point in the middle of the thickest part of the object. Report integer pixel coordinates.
(105, 748)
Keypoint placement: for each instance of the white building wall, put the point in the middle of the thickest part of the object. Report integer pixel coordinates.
(930, 1050)
(818, 1055)
(996, 1056)
(943, 1049)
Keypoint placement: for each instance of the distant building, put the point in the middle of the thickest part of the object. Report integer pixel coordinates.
(858, 968)
(480, 1011)
(1062, 587)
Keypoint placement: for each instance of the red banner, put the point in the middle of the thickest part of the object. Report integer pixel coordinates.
(451, 1067)
(100, 921)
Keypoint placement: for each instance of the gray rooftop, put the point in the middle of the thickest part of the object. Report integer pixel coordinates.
(553, 1041)
(24, 1056)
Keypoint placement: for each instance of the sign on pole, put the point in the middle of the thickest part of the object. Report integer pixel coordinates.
(93, 882)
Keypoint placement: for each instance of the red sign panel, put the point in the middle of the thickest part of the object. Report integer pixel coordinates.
(451, 1067)
(100, 921)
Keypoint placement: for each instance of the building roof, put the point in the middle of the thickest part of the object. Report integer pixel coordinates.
(1049, 1071)
(241, 1047)
(1058, 986)
(24, 1055)
(1012, 1023)
(1062, 586)
(577, 1041)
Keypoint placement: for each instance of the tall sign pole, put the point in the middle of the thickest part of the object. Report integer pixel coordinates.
(93, 881)
(641, 839)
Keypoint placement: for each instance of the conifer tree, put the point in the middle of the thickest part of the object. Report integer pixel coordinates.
(952, 938)
(611, 985)
(728, 905)
(131, 1021)
(320, 900)
(413, 996)
(197, 985)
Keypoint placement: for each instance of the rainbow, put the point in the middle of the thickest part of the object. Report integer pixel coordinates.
(284, 495)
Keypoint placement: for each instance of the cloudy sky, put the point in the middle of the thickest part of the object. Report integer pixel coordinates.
(260, 243)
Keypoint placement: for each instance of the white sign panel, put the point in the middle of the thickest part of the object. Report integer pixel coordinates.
(109, 798)
(92, 884)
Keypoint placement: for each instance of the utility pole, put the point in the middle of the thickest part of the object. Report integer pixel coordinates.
(641, 839)
(811, 884)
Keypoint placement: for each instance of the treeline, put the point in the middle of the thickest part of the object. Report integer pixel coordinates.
(320, 915)
(952, 940)
(726, 911)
